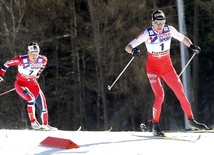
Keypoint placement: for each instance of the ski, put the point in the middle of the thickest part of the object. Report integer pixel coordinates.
(143, 128)
(55, 129)
(198, 131)
(79, 129)
(108, 130)
(178, 135)
(166, 137)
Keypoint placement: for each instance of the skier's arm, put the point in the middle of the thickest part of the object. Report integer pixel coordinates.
(131, 47)
(177, 35)
(12, 62)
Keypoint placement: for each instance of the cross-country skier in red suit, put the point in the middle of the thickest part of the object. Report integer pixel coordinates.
(157, 39)
(30, 67)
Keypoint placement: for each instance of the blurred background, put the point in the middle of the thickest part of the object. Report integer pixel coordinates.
(84, 41)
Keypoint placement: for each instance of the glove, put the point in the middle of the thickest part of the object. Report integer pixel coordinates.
(135, 52)
(195, 48)
(25, 92)
(1, 78)
(37, 76)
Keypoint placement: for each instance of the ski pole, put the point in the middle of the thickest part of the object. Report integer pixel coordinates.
(7, 91)
(187, 64)
(109, 87)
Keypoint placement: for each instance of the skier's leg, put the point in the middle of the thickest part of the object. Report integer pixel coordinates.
(174, 82)
(157, 88)
(41, 104)
(27, 95)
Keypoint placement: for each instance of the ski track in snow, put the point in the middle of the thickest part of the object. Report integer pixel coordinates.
(27, 142)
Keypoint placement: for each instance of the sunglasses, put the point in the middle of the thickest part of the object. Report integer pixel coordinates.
(160, 21)
(34, 52)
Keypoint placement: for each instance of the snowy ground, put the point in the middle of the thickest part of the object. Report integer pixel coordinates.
(27, 142)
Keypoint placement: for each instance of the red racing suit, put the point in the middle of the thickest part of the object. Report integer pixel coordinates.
(26, 84)
(159, 66)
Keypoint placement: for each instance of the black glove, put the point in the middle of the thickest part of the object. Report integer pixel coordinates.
(1, 78)
(195, 48)
(135, 52)
(25, 92)
(37, 75)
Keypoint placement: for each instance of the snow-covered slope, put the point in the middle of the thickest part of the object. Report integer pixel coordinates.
(27, 142)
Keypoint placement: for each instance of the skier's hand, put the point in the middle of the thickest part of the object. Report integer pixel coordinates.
(1, 78)
(25, 92)
(37, 76)
(135, 52)
(195, 48)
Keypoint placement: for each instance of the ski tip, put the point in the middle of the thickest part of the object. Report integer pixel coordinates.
(110, 129)
(80, 127)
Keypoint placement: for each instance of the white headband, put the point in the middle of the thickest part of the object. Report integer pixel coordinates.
(33, 48)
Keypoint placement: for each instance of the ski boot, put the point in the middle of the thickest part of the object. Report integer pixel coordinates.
(157, 130)
(196, 125)
(35, 125)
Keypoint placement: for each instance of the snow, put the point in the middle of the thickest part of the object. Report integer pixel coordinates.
(27, 142)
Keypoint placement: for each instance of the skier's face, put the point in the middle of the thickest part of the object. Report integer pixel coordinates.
(158, 25)
(33, 55)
